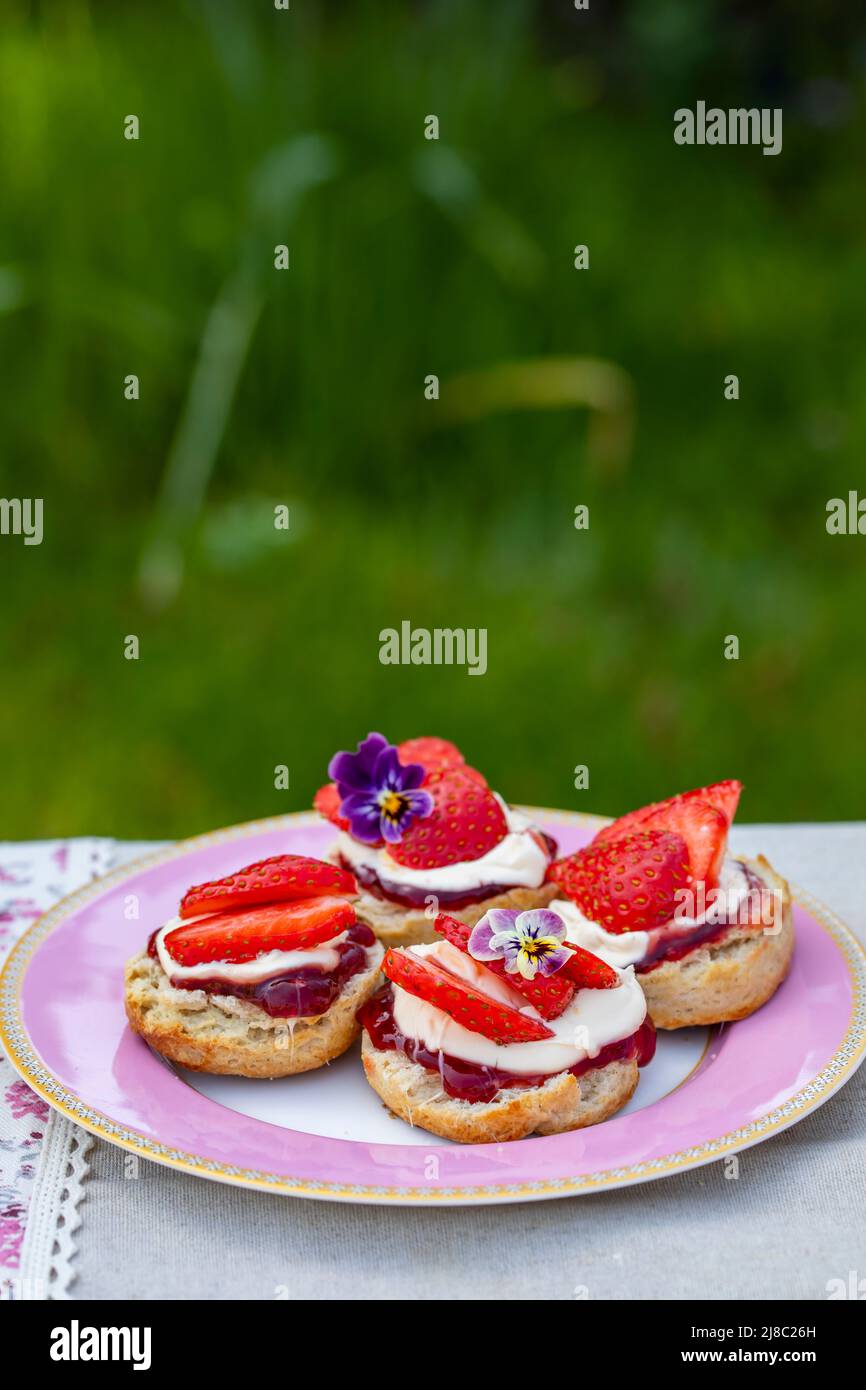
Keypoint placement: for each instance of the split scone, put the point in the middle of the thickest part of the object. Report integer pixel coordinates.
(422, 832)
(710, 936)
(504, 1029)
(261, 974)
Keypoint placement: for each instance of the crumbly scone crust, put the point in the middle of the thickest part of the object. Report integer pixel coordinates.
(728, 980)
(232, 1037)
(416, 1095)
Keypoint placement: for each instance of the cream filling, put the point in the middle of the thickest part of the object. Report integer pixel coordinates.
(617, 949)
(594, 1018)
(518, 861)
(630, 948)
(324, 957)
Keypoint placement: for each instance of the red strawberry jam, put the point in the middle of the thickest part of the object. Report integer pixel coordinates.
(409, 896)
(468, 1080)
(303, 993)
(704, 934)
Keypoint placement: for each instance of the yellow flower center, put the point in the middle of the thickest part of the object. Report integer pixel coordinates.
(391, 804)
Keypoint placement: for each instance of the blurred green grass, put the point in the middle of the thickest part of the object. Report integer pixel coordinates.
(410, 257)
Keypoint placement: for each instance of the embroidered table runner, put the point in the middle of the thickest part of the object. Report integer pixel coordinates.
(42, 1154)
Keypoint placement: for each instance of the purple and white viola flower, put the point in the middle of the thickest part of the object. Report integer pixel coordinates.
(529, 942)
(379, 796)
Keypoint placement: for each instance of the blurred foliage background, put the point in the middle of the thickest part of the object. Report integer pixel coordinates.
(305, 387)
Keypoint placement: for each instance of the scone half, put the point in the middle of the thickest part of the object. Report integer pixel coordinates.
(728, 979)
(232, 1037)
(562, 1103)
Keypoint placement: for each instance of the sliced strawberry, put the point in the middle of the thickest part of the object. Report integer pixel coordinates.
(241, 936)
(466, 822)
(724, 796)
(550, 994)
(704, 829)
(283, 878)
(434, 754)
(628, 884)
(461, 1001)
(587, 970)
(627, 824)
(327, 803)
(458, 933)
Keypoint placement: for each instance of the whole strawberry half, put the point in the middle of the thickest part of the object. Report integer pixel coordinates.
(550, 994)
(283, 878)
(628, 884)
(434, 754)
(242, 936)
(437, 755)
(466, 822)
(327, 803)
(461, 1001)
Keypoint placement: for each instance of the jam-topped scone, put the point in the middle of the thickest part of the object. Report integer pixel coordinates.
(710, 936)
(504, 1029)
(422, 831)
(261, 974)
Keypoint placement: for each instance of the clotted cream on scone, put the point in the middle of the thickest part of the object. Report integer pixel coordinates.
(260, 974)
(710, 936)
(504, 1029)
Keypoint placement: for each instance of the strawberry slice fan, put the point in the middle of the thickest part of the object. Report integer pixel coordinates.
(283, 878)
(461, 1001)
(551, 994)
(236, 937)
(633, 874)
(479, 1012)
(287, 903)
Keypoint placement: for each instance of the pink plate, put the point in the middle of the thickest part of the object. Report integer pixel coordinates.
(62, 1022)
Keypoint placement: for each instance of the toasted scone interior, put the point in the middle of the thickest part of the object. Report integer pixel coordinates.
(230, 1036)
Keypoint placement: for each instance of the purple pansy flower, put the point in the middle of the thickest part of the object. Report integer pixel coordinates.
(379, 797)
(528, 942)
